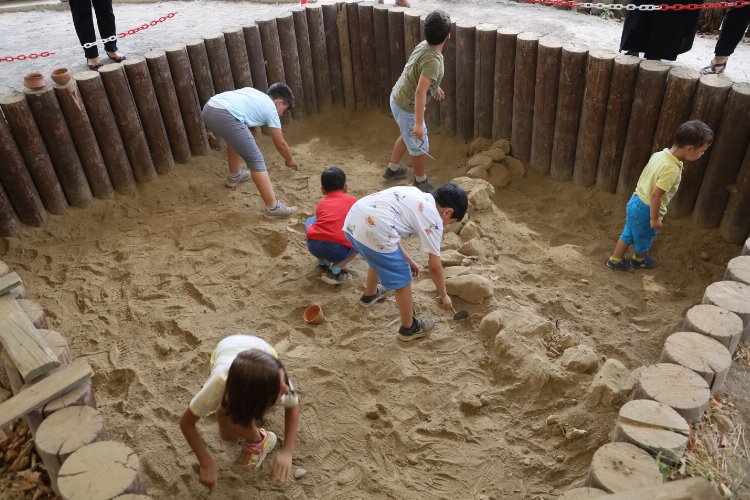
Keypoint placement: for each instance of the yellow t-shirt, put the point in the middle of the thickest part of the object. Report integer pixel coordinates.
(664, 171)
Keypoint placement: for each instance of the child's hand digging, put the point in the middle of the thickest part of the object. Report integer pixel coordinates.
(207, 475)
(281, 467)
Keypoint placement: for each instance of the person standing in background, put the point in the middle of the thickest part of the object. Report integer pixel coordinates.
(732, 30)
(84, 25)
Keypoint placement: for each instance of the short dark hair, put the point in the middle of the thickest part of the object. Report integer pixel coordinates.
(332, 179)
(437, 25)
(452, 196)
(252, 386)
(283, 92)
(693, 133)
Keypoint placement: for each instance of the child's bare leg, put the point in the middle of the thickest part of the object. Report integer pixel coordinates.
(399, 148)
(225, 427)
(620, 248)
(234, 160)
(418, 164)
(405, 305)
(372, 282)
(263, 182)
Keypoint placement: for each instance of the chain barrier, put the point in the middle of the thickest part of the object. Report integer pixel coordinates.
(112, 38)
(649, 7)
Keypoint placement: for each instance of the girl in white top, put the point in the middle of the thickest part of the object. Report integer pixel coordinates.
(246, 380)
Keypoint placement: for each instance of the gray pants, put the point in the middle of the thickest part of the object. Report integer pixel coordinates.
(222, 123)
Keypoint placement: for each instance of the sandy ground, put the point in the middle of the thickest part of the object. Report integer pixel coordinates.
(37, 31)
(144, 286)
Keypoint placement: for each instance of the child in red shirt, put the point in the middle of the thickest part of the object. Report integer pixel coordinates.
(325, 235)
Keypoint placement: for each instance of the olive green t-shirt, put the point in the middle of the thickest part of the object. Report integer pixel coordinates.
(424, 60)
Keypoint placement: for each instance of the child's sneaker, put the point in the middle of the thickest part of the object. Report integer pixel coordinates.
(646, 263)
(424, 185)
(335, 279)
(323, 265)
(622, 265)
(233, 180)
(394, 175)
(368, 300)
(419, 329)
(280, 210)
(252, 455)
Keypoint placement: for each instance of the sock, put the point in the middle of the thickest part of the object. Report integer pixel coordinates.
(334, 269)
(420, 178)
(393, 166)
(637, 259)
(273, 207)
(615, 259)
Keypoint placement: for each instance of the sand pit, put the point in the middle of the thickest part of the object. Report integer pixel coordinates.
(144, 286)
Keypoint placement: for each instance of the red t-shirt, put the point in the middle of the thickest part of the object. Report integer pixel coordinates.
(330, 213)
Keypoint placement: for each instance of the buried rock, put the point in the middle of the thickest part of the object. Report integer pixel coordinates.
(580, 359)
(480, 160)
(491, 324)
(502, 144)
(612, 384)
(472, 247)
(470, 287)
(499, 176)
(480, 192)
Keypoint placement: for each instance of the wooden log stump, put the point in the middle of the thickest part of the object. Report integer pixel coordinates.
(726, 158)
(100, 470)
(484, 79)
(64, 433)
(570, 95)
(682, 489)
(204, 84)
(126, 116)
(448, 104)
(653, 427)
(234, 38)
(355, 47)
(545, 103)
(35, 312)
(738, 269)
(19, 186)
(582, 493)
(144, 94)
(649, 92)
(719, 324)
(168, 105)
(318, 51)
(58, 345)
(218, 61)
(505, 63)
(330, 24)
(269, 34)
(465, 52)
(614, 133)
(254, 49)
(746, 248)
(345, 55)
(79, 124)
(367, 29)
(524, 79)
(60, 146)
(291, 61)
(735, 223)
(396, 41)
(676, 105)
(190, 108)
(705, 356)
(301, 31)
(734, 297)
(617, 467)
(30, 144)
(382, 55)
(678, 387)
(9, 224)
(106, 131)
(80, 395)
(412, 30)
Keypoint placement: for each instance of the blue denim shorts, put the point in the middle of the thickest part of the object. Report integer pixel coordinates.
(637, 230)
(392, 269)
(327, 250)
(405, 122)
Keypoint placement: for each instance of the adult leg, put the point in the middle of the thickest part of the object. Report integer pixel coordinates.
(732, 30)
(405, 304)
(83, 21)
(105, 20)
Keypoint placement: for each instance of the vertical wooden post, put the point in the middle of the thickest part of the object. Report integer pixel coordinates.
(30, 144)
(19, 186)
(593, 113)
(735, 223)
(319, 54)
(619, 104)
(304, 52)
(545, 103)
(290, 59)
(204, 84)
(676, 105)
(366, 27)
(190, 108)
(708, 106)
(484, 79)
(448, 104)
(80, 128)
(728, 150)
(569, 98)
(505, 63)
(170, 108)
(355, 46)
(148, 109)
(649, 92)
(269, 34)
(524, 79)
(345, 52)
(382, 55)
(330, 24)
(412, 31)
(396, 42)
(254, 49)
(465, 36)
(234, 38)
(218, 61)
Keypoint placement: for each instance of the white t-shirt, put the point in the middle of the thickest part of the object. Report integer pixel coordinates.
(209, 397)
(251, 106)
(379, 221)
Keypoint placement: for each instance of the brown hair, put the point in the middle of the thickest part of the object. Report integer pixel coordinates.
(252, 386)
(693, 133)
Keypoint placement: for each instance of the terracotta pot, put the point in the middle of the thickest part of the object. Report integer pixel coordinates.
(60, 76)
(313, 314)
(34, 81)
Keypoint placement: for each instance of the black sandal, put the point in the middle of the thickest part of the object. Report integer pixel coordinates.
(117, 59)
(93, 67)
(714, 69)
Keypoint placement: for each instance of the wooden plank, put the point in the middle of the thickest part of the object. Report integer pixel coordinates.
(9, 282)
(45, 390)
(23, 343)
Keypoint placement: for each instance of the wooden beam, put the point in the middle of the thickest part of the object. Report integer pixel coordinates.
(9, 282)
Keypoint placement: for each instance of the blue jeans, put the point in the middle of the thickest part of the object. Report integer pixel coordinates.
(637, 230)
(405, 121)
(327, 250)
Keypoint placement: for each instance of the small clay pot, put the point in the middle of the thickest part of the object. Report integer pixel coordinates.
(34, 81)
(313, 314)
(60, 76)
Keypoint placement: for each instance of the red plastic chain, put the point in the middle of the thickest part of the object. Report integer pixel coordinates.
(691, 6)
(142, 27)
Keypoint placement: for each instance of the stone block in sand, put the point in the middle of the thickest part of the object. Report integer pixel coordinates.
(612, 384)
(491, 324)
(472, 247)
(470, 287)
(502, 144)
(580, 359)
(480, 192)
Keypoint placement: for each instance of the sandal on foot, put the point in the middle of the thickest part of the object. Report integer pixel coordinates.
(714, 69)
(94, 67)
(117, 59)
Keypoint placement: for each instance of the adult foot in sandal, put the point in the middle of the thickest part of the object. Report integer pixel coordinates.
(116, 56)
(94, 63)
(716, 67)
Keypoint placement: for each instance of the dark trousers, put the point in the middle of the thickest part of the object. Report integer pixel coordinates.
(84, 24)
(732, 30)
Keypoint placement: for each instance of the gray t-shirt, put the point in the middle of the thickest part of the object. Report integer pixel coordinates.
(424, 60)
